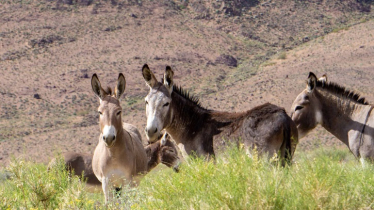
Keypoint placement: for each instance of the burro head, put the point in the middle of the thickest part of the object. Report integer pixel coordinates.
(109, 109)
(306, 109)
(169, 153)
(158, 102)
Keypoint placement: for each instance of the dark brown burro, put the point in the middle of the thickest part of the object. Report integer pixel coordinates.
(266, 128)
(340, 111)
(79, 164)
(163, 151)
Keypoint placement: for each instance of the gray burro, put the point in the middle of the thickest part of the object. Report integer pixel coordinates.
(340, 111)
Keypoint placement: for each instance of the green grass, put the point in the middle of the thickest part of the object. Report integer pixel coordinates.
(282, 56)
(269, 64)
(343, 28)
(31, 186)
(133, 100)
(323, 179)
(319, 179)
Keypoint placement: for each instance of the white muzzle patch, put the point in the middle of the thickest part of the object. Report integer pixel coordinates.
(109, 134)
(109, 130)
(152, 129)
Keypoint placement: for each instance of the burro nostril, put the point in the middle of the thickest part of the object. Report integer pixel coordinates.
(109, 139)
(151, 131)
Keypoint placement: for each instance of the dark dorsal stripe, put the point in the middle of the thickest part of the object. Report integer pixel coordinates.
(342, 91)
(185, 94)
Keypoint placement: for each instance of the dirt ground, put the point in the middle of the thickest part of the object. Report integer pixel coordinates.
(50, 51)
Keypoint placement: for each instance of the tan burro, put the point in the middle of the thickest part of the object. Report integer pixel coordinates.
(119, 156)
(162, 151)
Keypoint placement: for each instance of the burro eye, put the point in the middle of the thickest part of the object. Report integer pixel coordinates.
(100, 113)
(118, 113)
(167, 104)
(146, 102)
(298, 108)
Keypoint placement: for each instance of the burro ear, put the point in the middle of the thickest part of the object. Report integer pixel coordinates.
(323, 79)
(96, 87)
(168, 78)
(148, 76)
(311, 82)
(121, 85)
(164, 139)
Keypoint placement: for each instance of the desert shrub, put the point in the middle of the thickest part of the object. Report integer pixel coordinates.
(317, 180)
(29, 185)
(32, 186)
(282, 55)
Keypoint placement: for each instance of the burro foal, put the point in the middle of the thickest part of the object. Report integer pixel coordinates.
(119, 156)
(163, 151)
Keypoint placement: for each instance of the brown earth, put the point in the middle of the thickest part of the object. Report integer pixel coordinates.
(232, 54)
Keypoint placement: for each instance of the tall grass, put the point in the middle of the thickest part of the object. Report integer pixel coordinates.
(32, 186)
(323, 179)
(320, 179)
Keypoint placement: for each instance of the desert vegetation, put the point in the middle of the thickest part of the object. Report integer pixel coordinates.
(325, 178)
(30, 186)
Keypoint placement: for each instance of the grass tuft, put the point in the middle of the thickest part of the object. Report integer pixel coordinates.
(282, 56)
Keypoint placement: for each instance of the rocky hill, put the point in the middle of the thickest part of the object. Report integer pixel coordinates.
(232, 54)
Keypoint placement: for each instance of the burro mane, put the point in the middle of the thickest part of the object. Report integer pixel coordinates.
(339, 90)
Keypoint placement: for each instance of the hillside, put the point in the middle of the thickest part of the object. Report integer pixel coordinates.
(232, 54)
